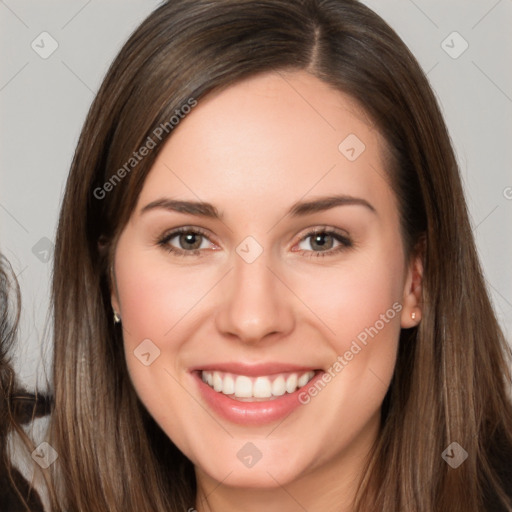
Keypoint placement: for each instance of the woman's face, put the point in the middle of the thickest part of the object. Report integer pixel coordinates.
(264, 257)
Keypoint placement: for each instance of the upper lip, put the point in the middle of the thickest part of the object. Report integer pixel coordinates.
(254, 370)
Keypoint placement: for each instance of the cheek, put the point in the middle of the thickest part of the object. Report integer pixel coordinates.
(362, 295)
(160, 303)
(360, 312)
(150, 307)
(359, 305)
(154, 300)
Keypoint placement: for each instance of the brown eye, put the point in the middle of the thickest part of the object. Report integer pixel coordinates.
(327, 242)
(321, 242)
(185, 241)
(190, 241)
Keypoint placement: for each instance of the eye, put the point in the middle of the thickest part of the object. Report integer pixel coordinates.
(185, 241)
(323, 242)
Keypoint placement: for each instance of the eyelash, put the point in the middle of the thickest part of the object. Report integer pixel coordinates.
(344, 241)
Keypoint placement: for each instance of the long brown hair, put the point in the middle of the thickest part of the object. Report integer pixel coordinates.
(452, 374)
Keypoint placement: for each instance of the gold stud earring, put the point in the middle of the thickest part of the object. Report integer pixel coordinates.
(117, 318)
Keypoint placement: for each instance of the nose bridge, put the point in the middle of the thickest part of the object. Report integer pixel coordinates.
(255, 303)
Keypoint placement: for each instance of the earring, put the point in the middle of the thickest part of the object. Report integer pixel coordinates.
(413, 315)
(117, 318)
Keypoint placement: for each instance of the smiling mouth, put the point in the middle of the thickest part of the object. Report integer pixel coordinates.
(256, 389)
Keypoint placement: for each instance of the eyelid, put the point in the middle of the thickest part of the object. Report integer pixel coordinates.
(184, 229)
(313, 230)
(323, 229)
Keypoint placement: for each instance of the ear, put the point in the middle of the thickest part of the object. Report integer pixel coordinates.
(103, 247)
(412, 294)
(114, 294)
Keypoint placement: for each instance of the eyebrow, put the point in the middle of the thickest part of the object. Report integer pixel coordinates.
(198, 208)
(298, 209)
(326, 203)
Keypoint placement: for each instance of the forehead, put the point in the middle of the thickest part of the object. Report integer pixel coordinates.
(272, 138)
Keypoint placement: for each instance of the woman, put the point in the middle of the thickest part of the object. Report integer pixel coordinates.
(266, 290)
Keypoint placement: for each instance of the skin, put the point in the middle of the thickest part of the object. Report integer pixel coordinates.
(253, 150)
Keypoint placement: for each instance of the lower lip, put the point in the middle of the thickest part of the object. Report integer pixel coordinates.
(252, 413)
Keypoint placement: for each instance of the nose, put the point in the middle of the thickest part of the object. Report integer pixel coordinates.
(257, 305)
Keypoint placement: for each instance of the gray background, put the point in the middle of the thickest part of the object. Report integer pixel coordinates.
(43, 103)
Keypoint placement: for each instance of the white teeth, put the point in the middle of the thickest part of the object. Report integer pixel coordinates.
(241, 386)
(217, 381)
(291, 383)
(228, 386)
(303, 380)
(279, 386)
(262, 388)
